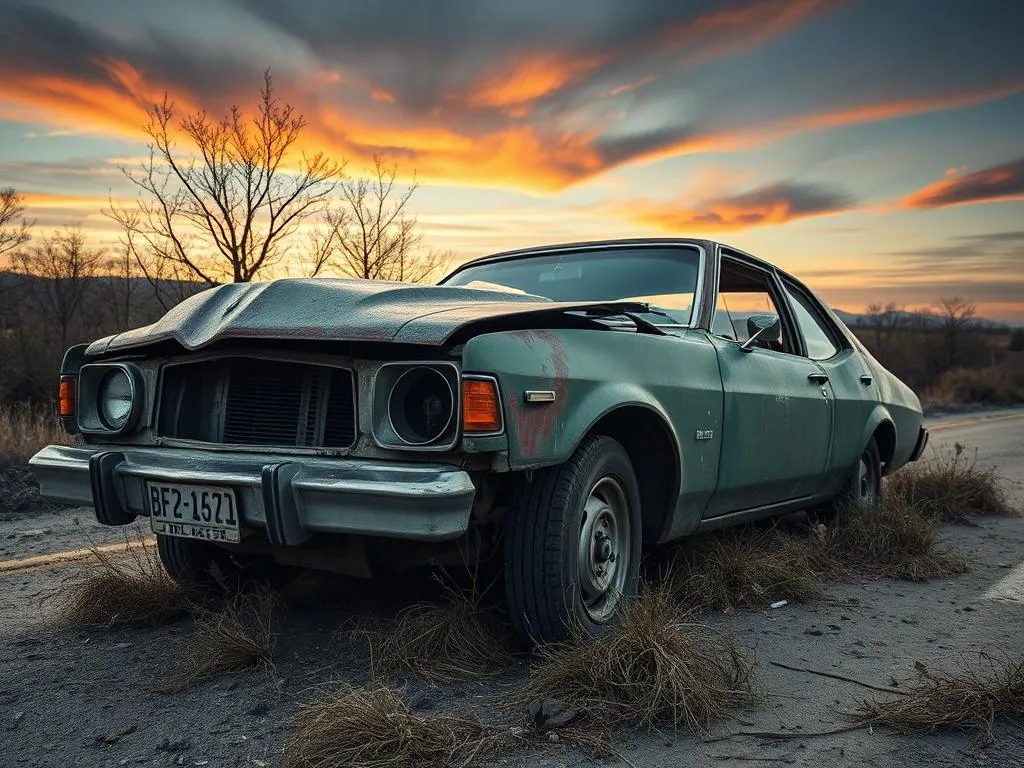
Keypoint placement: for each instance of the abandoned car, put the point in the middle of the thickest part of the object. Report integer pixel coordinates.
(558, 407)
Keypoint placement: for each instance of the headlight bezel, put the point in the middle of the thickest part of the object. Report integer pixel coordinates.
(92, 380)
(385, 380)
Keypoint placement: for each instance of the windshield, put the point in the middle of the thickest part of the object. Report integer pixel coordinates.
(664, 277)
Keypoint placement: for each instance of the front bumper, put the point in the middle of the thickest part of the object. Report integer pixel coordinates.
(919, 446)
(291, 497)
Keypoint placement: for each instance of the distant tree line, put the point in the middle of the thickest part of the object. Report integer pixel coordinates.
(931, 349)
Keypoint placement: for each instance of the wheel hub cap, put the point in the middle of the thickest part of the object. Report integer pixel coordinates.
(604, 548)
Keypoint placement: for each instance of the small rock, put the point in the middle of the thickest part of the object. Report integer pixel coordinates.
(17, 717)
(553, 736)
(815, 632)
(551, 713)
(178, 745)
(517, 730)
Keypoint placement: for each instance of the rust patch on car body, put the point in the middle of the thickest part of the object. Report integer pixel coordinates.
(536, 424)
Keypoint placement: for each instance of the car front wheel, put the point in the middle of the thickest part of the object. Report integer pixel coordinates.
(572, 544)
(205, 567)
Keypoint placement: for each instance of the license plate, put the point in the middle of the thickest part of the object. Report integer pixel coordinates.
(193, 511)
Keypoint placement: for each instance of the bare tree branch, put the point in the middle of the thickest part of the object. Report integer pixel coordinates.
(14, 229)
(371, 234)
(218, 200)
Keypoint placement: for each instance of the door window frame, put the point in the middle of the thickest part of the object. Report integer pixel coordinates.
(790, 327)
(816, 309)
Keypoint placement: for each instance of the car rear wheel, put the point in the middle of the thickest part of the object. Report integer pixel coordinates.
(206, 567)
(572, 544)
(863, 488)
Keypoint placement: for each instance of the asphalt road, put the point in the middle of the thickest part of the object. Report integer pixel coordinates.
(997, 437)
(77, 698)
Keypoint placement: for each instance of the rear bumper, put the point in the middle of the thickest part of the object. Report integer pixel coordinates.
(919, 446)
(291, 497)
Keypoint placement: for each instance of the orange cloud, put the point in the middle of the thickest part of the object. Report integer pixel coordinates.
(117, 107)
(514, 85)
(999, 183)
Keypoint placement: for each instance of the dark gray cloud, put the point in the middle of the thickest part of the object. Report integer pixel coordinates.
(767, 205)
(1000, 182)
(37, 41)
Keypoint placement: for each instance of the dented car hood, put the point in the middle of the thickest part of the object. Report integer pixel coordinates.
(326, 309)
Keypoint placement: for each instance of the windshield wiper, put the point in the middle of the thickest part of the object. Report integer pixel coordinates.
(661, 313)
(643, 326)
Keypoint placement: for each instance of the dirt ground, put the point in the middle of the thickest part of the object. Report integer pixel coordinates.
(86, 699)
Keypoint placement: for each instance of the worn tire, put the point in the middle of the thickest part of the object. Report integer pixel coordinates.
(862, 490)
(545, 533)
(206, 567)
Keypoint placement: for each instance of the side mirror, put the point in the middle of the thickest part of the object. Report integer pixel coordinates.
(761, 328)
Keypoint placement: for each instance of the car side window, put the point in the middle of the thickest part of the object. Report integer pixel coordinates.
(743, 292)
(818, 339)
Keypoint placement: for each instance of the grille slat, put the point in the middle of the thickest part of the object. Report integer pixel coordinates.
(264, 402)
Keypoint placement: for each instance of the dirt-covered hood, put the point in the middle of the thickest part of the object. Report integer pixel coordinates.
(326, 309)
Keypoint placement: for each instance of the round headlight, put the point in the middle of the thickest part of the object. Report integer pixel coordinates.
(116, 393)
(421, 406)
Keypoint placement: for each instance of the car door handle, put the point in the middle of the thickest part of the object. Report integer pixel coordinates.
(865, 380)
(817, 378)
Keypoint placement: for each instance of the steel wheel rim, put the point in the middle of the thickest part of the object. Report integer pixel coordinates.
(867, 491)
(604, 551)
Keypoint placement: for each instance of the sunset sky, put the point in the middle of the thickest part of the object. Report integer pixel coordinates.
(874, 148)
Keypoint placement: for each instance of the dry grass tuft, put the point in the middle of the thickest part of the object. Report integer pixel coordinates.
(654, 670)
(744, 567)
(120, 590)
(237, 636)
(969, 700)
(440, 643)
(895, 541)
(373, 727)
(24, 429)
(950, 486)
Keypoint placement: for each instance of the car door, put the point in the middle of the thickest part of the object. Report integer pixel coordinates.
(777, 403)
(854, 390)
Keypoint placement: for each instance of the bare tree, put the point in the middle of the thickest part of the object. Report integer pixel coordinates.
(226, 206)
(885, 321)
(372, 235)
(65, 266)
(955, 318)
(14, 229)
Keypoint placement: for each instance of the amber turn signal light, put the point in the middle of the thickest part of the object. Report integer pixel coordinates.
(66, 397)
(481, 410)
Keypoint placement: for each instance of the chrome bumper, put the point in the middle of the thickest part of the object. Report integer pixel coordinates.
(291, 497)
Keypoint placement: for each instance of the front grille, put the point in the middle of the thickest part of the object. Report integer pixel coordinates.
(249, 401)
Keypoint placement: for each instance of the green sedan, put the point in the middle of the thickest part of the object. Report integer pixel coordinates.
(554, 409)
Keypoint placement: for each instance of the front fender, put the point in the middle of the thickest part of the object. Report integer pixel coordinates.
(592, 373)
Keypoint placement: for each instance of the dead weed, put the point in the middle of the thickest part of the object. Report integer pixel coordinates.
(444, 642)
(970, 699)
(120, 590)
(233, 637)
(744, 567)
(893, 541)
(654, 670)
(24, 429)
(950, 486)
(373, 727)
